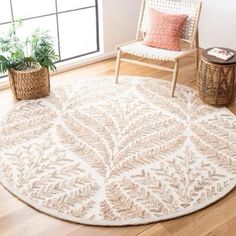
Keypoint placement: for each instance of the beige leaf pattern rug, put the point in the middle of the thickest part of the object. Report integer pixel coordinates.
(103, 154)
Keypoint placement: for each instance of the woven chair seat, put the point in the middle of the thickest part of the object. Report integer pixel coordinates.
(189, 37)
(140, 50)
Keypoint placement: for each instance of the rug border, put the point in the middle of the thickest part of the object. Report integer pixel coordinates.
(130, 222)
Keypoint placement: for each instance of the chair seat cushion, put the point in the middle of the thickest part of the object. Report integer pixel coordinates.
(140, 50)
(164, 30)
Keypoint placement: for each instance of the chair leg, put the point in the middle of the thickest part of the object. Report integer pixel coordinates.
(175, 75)
(197, 46)
(117, 65)
(197, 59)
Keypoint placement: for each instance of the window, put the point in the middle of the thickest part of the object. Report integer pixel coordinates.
(73, 24)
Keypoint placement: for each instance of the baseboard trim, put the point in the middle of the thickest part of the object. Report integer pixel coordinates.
(4, 84)
(84, 62)
(71, 66)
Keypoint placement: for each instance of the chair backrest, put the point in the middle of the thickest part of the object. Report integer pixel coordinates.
(175, 7)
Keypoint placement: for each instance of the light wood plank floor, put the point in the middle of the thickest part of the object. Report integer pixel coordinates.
(16, 218)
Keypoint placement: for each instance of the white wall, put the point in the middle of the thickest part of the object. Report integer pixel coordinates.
(217, 23)
(120, 20)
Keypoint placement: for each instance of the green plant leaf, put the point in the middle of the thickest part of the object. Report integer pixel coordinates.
(38, 46)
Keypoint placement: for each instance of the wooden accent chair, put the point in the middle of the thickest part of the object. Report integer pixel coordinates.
(189, 35)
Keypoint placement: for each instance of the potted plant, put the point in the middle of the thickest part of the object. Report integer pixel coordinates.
(28, 62)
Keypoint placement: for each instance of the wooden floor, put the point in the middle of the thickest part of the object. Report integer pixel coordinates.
(16, 218)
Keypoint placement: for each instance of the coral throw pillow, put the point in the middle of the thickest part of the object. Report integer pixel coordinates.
(164, 30)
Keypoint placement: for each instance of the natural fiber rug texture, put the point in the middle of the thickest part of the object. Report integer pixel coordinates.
(103, 154)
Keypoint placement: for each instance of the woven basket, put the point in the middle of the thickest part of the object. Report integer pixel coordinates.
(31, 84)
(216, 83)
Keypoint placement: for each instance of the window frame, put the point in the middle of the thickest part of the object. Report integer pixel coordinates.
(56, 14)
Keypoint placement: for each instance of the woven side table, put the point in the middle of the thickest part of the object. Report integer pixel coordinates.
(216, 79)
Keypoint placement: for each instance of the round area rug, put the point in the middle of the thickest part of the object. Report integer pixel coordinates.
(104, 154)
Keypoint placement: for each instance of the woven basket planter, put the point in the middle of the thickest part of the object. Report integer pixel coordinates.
(216, 83)
(31, 84)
